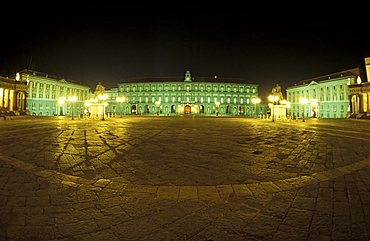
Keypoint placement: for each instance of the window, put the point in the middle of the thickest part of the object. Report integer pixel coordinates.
(201, 99)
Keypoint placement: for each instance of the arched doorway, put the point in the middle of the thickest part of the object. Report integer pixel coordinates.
(241, 110)
(133, 109)
(227, 109)
(187, 109)
(146, 109)
(201, 110)
(173, 110)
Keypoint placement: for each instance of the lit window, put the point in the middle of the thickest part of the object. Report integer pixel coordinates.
(209, 99)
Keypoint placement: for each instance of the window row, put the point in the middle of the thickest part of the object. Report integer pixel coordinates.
(208, 88)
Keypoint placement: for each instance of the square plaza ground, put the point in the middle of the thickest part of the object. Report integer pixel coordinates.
(184, 178)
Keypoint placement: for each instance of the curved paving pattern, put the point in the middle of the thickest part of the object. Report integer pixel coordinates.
(217, 179)
(198, 193)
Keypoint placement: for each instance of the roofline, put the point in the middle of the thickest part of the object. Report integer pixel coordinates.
(51, 76)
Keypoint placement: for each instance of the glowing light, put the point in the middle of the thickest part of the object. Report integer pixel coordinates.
(314, 102)
(256, 100)
(359, 80)
(61, 101)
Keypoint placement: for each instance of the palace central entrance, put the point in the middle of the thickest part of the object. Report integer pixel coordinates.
(187, 109)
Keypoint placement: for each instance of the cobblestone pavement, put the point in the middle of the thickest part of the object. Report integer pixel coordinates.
(184, 178)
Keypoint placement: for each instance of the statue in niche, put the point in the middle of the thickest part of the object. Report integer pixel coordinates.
(276, 91)
(99, 90)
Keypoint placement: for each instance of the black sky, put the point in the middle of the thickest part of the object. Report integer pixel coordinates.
(108, 43)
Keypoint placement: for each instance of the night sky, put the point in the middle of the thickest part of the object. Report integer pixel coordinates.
(108, 43)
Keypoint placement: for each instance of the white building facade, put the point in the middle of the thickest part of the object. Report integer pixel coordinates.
(327, 96)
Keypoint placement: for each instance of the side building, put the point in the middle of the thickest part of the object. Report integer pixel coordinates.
(50, 95)
(13, 96)
(360, 95)
(324, 97)
(173, 96)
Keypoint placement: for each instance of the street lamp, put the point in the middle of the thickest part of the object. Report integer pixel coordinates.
(61, 103)
(273, 99)
(72, 99)
(158, 104)
(103, 98)
(303, 101)
(217, 104)
(255, 101)
(120, 100)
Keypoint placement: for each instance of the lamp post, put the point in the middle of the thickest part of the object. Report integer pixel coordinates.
(303, 101)
(217, 105)
(255, 101)
(61, 103)
(72, 99)
(158, 104)
(120, 100)
(87, 105)
(103, 98)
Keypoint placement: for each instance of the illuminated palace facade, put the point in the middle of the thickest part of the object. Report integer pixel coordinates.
(203, 96)
(326, 96)
(50, 95)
